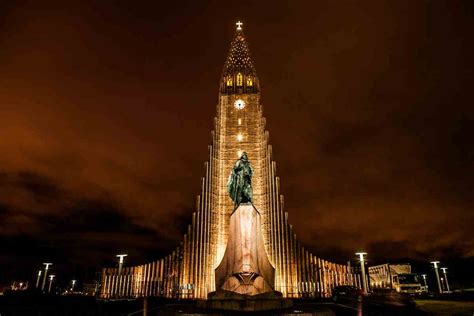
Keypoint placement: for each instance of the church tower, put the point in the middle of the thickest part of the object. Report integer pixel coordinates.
(189, 271)
(239, 127)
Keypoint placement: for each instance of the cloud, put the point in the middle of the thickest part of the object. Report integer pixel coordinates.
(105, 114)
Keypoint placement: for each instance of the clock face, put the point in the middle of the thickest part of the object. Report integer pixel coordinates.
(239, 104)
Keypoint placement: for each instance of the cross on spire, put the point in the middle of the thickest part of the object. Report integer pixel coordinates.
(239, 25)
(239, 72)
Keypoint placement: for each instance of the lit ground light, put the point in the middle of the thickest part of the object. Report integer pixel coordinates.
(434, 307)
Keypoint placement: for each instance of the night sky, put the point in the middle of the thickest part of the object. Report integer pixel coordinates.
(106, 109)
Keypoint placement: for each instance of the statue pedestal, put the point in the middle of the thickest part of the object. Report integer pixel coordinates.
(245, 278)
(245, 268)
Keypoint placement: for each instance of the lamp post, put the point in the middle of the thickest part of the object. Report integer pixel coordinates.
(47, 264)
(73, 284)
(51, 277)
(121, 262)
(121, 256)
(38, 279)
(435, 265)
(424, 281)
(362, 268)
(445, 278)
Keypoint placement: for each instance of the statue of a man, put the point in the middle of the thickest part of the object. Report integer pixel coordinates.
(239, 184)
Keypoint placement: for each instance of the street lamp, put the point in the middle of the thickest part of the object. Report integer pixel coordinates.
(424, 280)
(73, 284)
(119, 285)
(446, 278)
(38, 279)
(47, 264)
(121, 262)
(435, 265)
(362, 268)
(51, 277)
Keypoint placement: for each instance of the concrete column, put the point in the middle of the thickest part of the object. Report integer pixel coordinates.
(128, 282)
(323, 278)
(207, 259)
(186, 247)
(278, 236)
(146, 270)
(193, 245)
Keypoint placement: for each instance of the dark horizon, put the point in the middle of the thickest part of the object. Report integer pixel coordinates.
(106, 112)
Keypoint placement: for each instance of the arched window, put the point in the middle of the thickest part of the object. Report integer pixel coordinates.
(239, 79)
(249, 81)
(229, 81)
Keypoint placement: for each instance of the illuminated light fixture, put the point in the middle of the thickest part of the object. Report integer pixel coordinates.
(239, 153)
(361, 255)
(121, 257)
(239, 137)
(435, 264)
(240, 121)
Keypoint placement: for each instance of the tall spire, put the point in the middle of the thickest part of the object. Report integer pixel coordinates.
(239, 74)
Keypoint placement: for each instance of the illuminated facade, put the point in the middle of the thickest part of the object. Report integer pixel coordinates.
(188, 272)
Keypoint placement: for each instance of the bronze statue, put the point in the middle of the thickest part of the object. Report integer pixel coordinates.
(239, 184)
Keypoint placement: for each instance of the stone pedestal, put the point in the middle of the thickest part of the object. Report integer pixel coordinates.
(245, 278)
(245, 268)
(244, 303)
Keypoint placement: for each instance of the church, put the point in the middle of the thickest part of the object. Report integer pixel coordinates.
(189, 272)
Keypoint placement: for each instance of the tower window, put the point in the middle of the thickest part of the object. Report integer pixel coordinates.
(239, 79)
(249, 81)
(229, 81)
(240, 121)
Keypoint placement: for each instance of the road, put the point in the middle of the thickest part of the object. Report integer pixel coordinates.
(349, 308)
(26, 305)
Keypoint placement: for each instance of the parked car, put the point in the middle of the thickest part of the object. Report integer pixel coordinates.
(346, 292)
